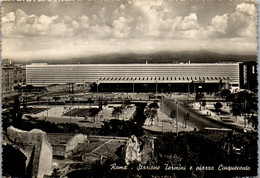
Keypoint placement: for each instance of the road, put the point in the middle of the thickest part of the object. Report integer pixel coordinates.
(196, 120)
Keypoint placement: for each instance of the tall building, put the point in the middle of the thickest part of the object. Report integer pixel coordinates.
(7, 78)
(12, 75)
(248, 75)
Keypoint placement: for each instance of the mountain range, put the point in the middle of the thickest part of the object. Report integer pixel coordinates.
(158, 57)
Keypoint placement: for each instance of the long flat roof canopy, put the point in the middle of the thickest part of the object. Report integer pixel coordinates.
(165, 79)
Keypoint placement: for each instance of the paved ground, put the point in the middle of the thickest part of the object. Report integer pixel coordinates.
(226, 117)
(196, 120)
(204, 117)
(56, 114)
(163, 123)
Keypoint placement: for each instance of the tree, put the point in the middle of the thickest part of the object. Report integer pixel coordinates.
(105, 103)
(117, 128)
(154, 105)
(93, 112)
(16, 107)
(100, 103)
(198, 97)
(218, 106)
(254, 121)
(225, 93)
(17, 115)
(117, 111)
(90, 100)
(203, 103)
(127, 102)
(38, 99)
(243, 103)
(151, 112)
(56, 98)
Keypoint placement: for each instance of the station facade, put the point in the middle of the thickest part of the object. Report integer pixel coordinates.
(187, 77)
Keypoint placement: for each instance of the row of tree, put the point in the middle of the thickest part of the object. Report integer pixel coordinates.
(244, 104)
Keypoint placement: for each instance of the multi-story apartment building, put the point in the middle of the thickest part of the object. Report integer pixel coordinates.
(12, 75)
(7, 78)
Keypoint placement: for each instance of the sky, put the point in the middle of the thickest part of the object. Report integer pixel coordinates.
(63, 30)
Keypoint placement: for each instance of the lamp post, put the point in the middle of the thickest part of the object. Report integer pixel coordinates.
(162, 126)
(70, 107)
(188, 88)
(156, 89)
(177, 116)
(133, 85)
(47, 107)
(162, 103)
(84, 88)
(97, 87)
(186, 117)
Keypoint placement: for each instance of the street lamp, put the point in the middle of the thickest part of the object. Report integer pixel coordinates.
(186, 117)
(97, 87)
(47, 107)
(156, 89)
(162, 104)
(133, 85)
(188, 89)
(70, 108)
(177, 116)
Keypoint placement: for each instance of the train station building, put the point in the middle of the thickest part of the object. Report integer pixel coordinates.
(182, 77)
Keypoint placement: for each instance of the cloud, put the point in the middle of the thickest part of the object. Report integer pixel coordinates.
(19, 23)
(10, 17)
(247, 9)
(122, 27)
(84, 22)
(99, 18)
(63, 29)
(99, 32)
(135, 26)
(189, 22)
(219, 24)
(135, 19)
(243, 21)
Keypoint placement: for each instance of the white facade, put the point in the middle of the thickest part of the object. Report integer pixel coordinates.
(44, 74)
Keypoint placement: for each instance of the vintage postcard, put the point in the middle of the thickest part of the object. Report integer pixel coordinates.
(129, 88)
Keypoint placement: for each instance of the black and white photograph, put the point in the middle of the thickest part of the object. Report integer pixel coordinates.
(129, 88)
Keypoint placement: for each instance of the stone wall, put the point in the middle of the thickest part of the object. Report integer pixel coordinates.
(35, 143)
(45, 160)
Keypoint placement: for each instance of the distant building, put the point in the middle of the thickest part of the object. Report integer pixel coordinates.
(12, 75)
(248, 75)
(20, 75)
(188, 77)
(7, 78)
